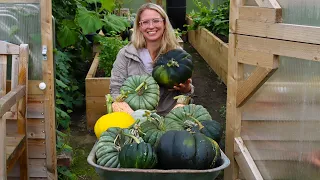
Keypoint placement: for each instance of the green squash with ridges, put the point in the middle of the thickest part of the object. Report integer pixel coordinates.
(109, 145)
(141, 92)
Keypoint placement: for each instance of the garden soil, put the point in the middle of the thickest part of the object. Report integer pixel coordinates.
(209, 92)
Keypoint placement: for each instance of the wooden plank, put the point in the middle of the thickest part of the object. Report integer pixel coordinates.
(253, 13)
(14, 148)
(93, 68)
(49, 92)
(268, 4)
(293, 32)
(233, 115)
(36, 168)
(279, 47)
(14, 75)
(257, 59)
(37, 148)
(7, 101)
(8, 48)
(95, 108)
(36, 129)
(281, 150)
(36, 110)
(3, 158)
(248, 87)
(97, 87)
(268, 130)
(245, 161)
(20, 1)
(3, 75)
(33, 87)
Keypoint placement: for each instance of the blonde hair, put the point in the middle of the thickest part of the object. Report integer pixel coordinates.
(168, 41)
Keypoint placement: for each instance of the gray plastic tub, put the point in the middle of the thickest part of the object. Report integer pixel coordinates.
(156, 174)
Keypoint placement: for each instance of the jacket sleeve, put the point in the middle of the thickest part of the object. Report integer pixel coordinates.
(119, 73)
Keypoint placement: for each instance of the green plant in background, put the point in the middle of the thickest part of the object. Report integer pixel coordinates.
(215, 19)
(110, 47)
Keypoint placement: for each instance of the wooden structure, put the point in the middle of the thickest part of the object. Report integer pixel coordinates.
(272, 147)
(96, 89)
(13, 141)
(212, 49)
(41, 130)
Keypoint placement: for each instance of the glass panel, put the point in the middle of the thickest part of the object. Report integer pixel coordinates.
(20, 24)
(281, 124)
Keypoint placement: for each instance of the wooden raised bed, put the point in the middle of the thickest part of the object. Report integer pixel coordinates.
(212, 49)
(96, 89)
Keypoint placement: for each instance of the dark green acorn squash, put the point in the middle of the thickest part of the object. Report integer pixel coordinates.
(140, 92)
(109, 145)
(183, 150)
(139, 155)
(173, 68)
(210, 128)
(155, 127)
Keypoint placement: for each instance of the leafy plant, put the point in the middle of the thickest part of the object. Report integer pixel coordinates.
(110, 47)
(67, 94)
(215, 19)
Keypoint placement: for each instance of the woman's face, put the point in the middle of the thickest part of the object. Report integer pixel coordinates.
(151, 25)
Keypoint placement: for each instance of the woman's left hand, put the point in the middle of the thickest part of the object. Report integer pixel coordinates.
(184, 87)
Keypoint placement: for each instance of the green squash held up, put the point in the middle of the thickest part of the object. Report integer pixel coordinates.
(173, 67)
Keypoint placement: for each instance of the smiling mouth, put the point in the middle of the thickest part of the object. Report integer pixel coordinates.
(152, 32)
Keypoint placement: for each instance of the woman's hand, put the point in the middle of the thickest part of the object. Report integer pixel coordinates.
(184, 87)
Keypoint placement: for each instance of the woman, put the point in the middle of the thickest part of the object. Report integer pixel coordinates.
(152, 35)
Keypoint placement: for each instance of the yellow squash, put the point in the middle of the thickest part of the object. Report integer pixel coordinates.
(115, 119)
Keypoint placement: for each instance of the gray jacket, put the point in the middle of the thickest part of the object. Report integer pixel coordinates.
(128, 63)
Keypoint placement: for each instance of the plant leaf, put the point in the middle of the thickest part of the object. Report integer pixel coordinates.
(67, 34)
(89, 21)
(108, 5)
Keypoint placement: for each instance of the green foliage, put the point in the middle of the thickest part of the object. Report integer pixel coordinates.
(67, 94)
(215, 19)
(110, 47)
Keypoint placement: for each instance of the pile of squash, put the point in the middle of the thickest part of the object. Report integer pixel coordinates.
(133, 135)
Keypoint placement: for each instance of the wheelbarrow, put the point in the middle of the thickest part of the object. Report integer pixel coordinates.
(157, 174)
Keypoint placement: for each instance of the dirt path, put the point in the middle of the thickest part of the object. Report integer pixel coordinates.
(209, 92)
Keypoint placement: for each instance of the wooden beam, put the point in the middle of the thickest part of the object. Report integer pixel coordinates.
(49, 92)
(293, 32)
(233, 115)
(94, 66)
(3, 75)
(257, 59)
(267, 15)
(279, 47)
(8, 48)
(234, 13)
(3, 157)
(268, 4)
(243, 157)
(14, 76)
(7, 101)
(249, 86)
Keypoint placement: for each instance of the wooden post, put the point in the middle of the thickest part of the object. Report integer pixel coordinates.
(48, 78)
(3, 74)
(235, 73)
(22, 107)
(3, 158)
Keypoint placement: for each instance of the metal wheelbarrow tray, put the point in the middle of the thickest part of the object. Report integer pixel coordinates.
(156, 174)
